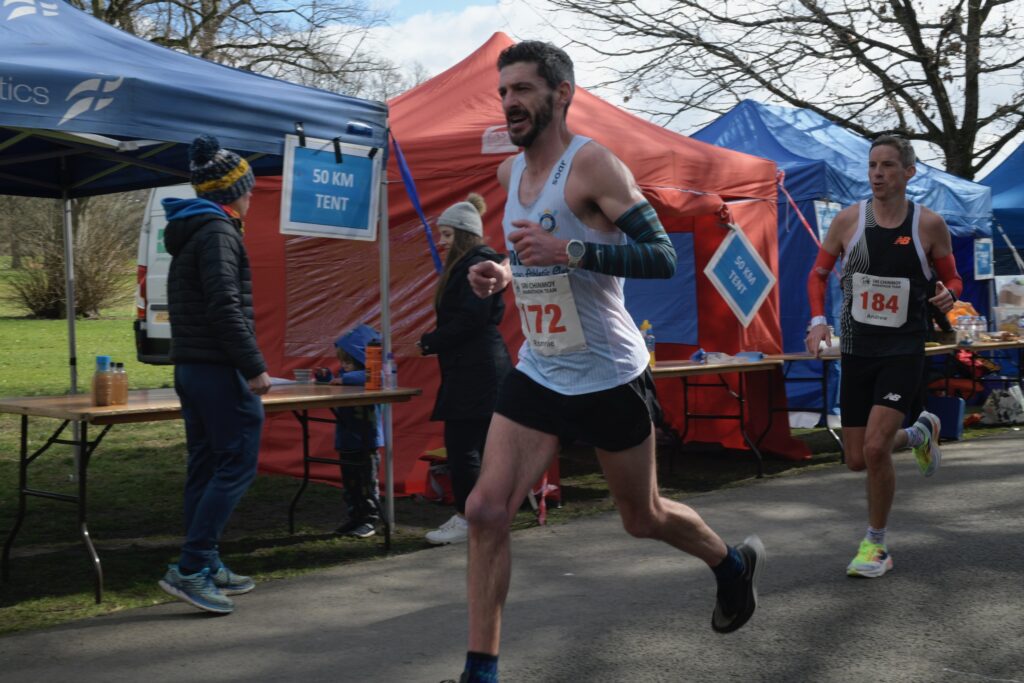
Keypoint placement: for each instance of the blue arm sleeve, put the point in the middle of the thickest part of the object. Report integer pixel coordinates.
(649, 255)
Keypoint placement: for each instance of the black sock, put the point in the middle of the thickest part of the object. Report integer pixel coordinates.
(481, 667)
(730, 568)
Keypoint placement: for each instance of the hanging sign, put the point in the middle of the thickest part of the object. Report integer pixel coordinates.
(984, 265)
(323, 198)
(740, 275)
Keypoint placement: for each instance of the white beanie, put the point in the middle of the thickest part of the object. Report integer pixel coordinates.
(465, 215)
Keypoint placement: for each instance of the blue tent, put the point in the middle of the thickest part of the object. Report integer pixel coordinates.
(824, 162)
(1007, 183)
(87, 109)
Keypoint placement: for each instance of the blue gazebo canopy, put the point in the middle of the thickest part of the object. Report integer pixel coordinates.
(1007, 183)
(825, 161)
(90, 109)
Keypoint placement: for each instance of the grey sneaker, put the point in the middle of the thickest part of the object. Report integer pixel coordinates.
(737, 600)
(231, 583)
(197, 590)
(364, 530)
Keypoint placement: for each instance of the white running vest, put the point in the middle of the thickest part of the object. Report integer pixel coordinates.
(579, 336)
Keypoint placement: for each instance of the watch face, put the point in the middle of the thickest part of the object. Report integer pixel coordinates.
(576, 249)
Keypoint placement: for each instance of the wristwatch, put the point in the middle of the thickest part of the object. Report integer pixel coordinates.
(575, 250)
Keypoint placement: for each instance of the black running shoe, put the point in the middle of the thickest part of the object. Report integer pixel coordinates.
(737, 599)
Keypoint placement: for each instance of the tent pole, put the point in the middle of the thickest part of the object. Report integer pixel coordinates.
(69, 290)
(385, 330)
(69, 308)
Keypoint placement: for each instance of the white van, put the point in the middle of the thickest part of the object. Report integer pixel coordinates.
(153, 322)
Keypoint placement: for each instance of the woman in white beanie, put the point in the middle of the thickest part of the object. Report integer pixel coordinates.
(471, 353)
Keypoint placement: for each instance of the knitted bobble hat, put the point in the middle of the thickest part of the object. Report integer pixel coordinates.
(218, 174)
(465, 215)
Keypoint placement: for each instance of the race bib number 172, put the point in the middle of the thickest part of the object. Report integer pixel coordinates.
(547, 312)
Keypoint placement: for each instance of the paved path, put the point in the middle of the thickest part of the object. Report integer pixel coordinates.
(590, 604)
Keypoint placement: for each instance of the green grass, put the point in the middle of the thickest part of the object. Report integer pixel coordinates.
(136, 479)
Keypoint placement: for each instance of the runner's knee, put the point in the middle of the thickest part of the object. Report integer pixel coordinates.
(639, 522)
(486, 512)
(876, 455)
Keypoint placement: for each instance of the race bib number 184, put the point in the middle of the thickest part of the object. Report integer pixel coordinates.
(880, 301)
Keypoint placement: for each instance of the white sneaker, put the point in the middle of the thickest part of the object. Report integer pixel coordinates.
(455, 530)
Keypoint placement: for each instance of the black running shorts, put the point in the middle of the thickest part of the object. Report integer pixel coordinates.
(890, 381)
(613, 420)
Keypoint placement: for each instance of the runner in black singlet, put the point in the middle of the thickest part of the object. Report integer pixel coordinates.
(890, 247)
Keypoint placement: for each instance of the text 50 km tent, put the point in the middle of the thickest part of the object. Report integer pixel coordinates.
(452, 131)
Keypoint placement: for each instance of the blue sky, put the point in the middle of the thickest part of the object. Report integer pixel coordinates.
(403, 9)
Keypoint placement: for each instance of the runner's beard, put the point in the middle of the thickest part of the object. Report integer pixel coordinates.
(540, 121)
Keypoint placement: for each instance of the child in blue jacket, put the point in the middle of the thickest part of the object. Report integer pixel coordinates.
(357, 436)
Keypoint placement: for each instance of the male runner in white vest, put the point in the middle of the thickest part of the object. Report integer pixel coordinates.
(583, 369)
(889, 245)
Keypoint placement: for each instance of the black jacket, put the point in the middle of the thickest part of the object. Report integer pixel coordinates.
(209, 292)
(469, 346)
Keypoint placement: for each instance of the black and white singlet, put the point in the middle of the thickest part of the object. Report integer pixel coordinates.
(885, 287)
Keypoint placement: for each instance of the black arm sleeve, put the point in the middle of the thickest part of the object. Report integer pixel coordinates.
(649, 255)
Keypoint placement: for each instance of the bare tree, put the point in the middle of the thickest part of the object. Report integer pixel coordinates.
(945, 72)
(288, 40)
(106, 235)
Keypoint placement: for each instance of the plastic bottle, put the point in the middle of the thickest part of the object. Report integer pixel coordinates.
(963, 330)
(646, 330)
(373, 366)
(390, 372)
(103, 383)
(120, 385)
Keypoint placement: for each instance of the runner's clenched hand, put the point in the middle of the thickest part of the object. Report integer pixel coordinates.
(535, 246)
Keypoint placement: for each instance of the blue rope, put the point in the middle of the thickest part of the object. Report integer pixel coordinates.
(410, 189)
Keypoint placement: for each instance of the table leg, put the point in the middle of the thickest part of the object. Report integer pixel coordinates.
(303, 418)
(22, 485)
(83, 527)
(824, 409)
(738, 394)
(686, 411)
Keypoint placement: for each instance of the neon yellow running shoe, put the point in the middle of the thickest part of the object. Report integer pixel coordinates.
(928, 454)
(872, 561)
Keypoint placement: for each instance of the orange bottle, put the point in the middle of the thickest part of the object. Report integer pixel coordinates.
(373, 366)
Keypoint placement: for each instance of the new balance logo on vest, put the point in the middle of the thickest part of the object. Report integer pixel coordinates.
(895, 398)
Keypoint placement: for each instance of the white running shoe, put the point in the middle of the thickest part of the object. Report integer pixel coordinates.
(455, 530)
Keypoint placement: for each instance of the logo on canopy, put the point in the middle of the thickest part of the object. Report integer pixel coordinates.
(495, 140)
(90, 93)
(24, 8)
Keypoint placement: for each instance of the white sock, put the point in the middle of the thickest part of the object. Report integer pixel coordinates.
(915, 436)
